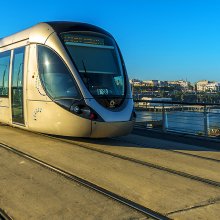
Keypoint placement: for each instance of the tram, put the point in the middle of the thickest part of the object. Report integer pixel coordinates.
(65, 78)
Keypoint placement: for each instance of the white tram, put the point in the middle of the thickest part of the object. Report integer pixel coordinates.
(65, 78)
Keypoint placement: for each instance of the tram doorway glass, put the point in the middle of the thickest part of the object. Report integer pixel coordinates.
(17, 86)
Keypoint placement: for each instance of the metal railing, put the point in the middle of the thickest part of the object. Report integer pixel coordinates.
(185, 117)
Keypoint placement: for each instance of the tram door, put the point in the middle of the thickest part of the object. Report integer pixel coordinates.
(17, 86)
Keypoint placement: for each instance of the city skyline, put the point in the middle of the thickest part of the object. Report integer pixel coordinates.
(173, 80)
(169, 40)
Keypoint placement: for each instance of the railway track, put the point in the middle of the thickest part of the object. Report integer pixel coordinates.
(4, 215)
(176, 152)
(140, 162)
(148, 212)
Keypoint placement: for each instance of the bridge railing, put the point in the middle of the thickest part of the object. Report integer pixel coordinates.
(185, 117)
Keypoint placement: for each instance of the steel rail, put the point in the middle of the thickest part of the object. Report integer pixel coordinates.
(142, 209)
(172, 151)
(143, 163)
(4, 215)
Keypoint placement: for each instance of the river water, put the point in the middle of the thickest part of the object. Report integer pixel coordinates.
(184, 121)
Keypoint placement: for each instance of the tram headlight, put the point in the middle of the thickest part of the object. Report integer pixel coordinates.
(82, 110)
(77, 109)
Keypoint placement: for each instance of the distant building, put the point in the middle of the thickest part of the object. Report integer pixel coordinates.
(163, 83)
(182, 84)
(148, 82)
(135, 82)
(201, 85)
(213, 87)
(151, 82)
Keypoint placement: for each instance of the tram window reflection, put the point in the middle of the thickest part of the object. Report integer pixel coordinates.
(55, 76)
(4, 72)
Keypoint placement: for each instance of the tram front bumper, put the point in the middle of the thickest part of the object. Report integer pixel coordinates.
(111, 129)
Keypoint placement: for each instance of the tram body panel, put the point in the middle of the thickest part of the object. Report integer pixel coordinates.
(35, 90)
(40, 32)
(48, 117)
(111, 129)
(5, 111)
(15, 45)
(43, 114)
(112, 116)
(15, 40)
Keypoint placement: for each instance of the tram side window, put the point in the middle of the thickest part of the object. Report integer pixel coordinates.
(4, 72)
(55, 76)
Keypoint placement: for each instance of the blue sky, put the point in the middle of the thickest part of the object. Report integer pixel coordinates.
(159, 39)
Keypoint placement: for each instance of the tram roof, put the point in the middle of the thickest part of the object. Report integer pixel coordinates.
(64, 26)
(41, 31)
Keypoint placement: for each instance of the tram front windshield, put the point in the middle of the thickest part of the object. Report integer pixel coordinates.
(97, 60)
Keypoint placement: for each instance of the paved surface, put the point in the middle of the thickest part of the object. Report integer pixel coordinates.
(163, 153)
(177, 196)
(29, 191)
(213, 142)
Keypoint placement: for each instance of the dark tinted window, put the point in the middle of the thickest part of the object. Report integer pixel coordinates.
(4, 72)
(17, 85)
(55, 75)
(97, 60)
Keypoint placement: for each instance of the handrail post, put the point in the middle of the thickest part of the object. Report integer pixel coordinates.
(164, 119)
(206, 122)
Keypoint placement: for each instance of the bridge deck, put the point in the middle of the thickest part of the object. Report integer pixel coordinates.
(149, 180)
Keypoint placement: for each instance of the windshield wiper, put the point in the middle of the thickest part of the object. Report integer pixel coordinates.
(85, 74)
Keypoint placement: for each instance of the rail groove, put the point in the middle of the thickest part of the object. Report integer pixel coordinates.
(4, 215)
(140, 162)
(175, 152)
(142, 209)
